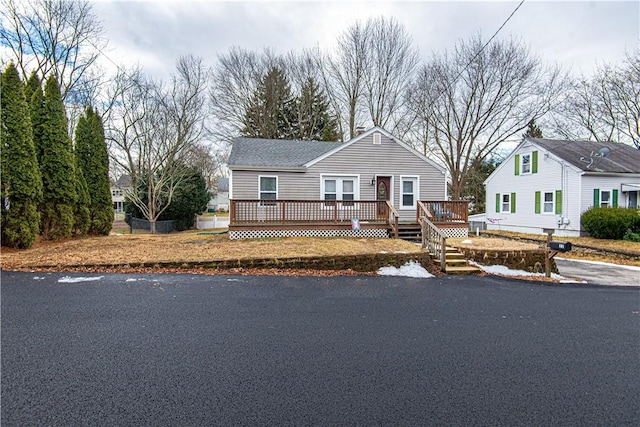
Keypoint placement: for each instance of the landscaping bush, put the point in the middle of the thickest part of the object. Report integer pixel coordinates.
(631, 236)
(610, 223)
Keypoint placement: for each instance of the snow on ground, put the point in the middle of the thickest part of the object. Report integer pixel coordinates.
(504, 271)
(410, 269)
(67, 279)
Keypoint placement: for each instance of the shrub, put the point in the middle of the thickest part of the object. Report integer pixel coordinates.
(610, 223)
(631, 236)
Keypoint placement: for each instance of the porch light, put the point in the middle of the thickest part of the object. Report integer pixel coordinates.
(373, 181)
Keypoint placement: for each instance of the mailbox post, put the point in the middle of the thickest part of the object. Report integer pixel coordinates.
(548, 256)
(552, 249)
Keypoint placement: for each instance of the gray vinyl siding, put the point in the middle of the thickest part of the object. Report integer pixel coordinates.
(362, 158)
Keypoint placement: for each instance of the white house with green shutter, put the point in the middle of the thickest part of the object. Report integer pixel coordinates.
(548, 184)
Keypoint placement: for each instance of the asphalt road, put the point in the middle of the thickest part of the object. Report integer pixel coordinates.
(599, 273)
(231, 350)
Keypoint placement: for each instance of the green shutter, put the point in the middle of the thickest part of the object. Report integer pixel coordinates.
(558, 202)
(517, 164)
(537, 202)
(534, 167)
(497, 202)
(615, 198)
(596, 197)
(513, 202)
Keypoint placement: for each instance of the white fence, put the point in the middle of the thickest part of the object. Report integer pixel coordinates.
(211, 222)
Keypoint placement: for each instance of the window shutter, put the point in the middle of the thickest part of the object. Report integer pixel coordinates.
(513, 202)
(497, 202)
(517, 164)
(558, 202)
(596, 197)
(534, 160)
(615, 198)
(537, 202)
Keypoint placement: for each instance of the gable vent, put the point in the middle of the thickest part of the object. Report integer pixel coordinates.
(377, 138)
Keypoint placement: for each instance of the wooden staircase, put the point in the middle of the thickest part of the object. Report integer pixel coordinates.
(411, 232)
(455, 263)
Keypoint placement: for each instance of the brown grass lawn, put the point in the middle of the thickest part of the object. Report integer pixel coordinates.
(186, 246)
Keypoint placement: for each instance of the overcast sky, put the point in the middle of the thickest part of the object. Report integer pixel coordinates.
(577, 34)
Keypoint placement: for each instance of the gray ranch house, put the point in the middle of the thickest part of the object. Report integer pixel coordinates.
(370, 186)
(548, 184)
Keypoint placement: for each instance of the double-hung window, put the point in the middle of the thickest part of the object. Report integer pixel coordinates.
(268, 189)
(506, 203)
(409, 191)
(548, 205)
(339, 188)
(605, 198)
(525, 166)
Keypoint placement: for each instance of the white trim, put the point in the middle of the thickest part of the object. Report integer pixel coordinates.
(521, 166)
(502, 211)
(366, 134)
(259, 189)
(416, 192)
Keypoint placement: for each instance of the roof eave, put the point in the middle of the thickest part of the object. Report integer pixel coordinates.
(268, 168)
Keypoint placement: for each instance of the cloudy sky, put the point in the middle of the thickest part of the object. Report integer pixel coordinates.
(577, 34)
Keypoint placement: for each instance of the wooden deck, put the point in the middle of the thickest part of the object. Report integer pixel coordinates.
(337, 214)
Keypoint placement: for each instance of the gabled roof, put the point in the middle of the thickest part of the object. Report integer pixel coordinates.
(261, 154)
(622, 158)
(276, 153)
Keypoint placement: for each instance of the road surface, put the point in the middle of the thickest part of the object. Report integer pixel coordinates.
(231, 350)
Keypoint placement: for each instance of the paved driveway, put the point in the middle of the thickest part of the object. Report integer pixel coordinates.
(599, 273)
(230, 350)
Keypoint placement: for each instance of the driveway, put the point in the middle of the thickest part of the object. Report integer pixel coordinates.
(116, 349)
(599, 273)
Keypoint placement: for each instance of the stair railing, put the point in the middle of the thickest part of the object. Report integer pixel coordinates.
(432, 237)
(393, 219)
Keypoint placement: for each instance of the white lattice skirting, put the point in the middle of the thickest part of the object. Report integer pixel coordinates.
(260, 234)
(455, 232)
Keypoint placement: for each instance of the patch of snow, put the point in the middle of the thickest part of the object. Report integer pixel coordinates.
(467, 242)
(67, 279)
(38, 278)
(505, 271)
(410, 269)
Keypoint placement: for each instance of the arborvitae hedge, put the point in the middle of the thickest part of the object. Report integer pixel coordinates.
(93, 159)
(57, 167)
(37, 111)
(21, 186)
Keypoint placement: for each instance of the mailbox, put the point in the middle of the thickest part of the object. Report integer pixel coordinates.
(560, 246)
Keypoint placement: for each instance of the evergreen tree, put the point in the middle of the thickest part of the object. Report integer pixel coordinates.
(32, 85)
(81, 212)
(533, 131)
(20, 183)
(270, 113)
(36, 109)
(57, 167)
(93, 159)
(190, 198)
(314, 122)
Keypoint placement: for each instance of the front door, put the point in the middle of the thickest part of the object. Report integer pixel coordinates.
(383, 194)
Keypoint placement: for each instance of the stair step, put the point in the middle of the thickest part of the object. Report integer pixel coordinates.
(448, 261)
(463, 270)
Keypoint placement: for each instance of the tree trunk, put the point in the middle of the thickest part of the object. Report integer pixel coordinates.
(152, 227)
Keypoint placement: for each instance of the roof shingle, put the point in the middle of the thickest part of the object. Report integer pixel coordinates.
(622, 158)
(277, 153)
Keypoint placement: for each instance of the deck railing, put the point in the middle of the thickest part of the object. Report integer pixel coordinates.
(254, 212)
(434, 240)
(443, 211)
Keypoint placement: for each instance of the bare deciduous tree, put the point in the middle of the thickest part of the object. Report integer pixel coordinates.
(605, 107)
(153, 128)
(62, 38)
(469, 101)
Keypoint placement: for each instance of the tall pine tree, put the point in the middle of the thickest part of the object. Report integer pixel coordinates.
(57, 167)
(21, 186)
(270, 113)
(93, 160)
(314, 121)
(533, 131)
